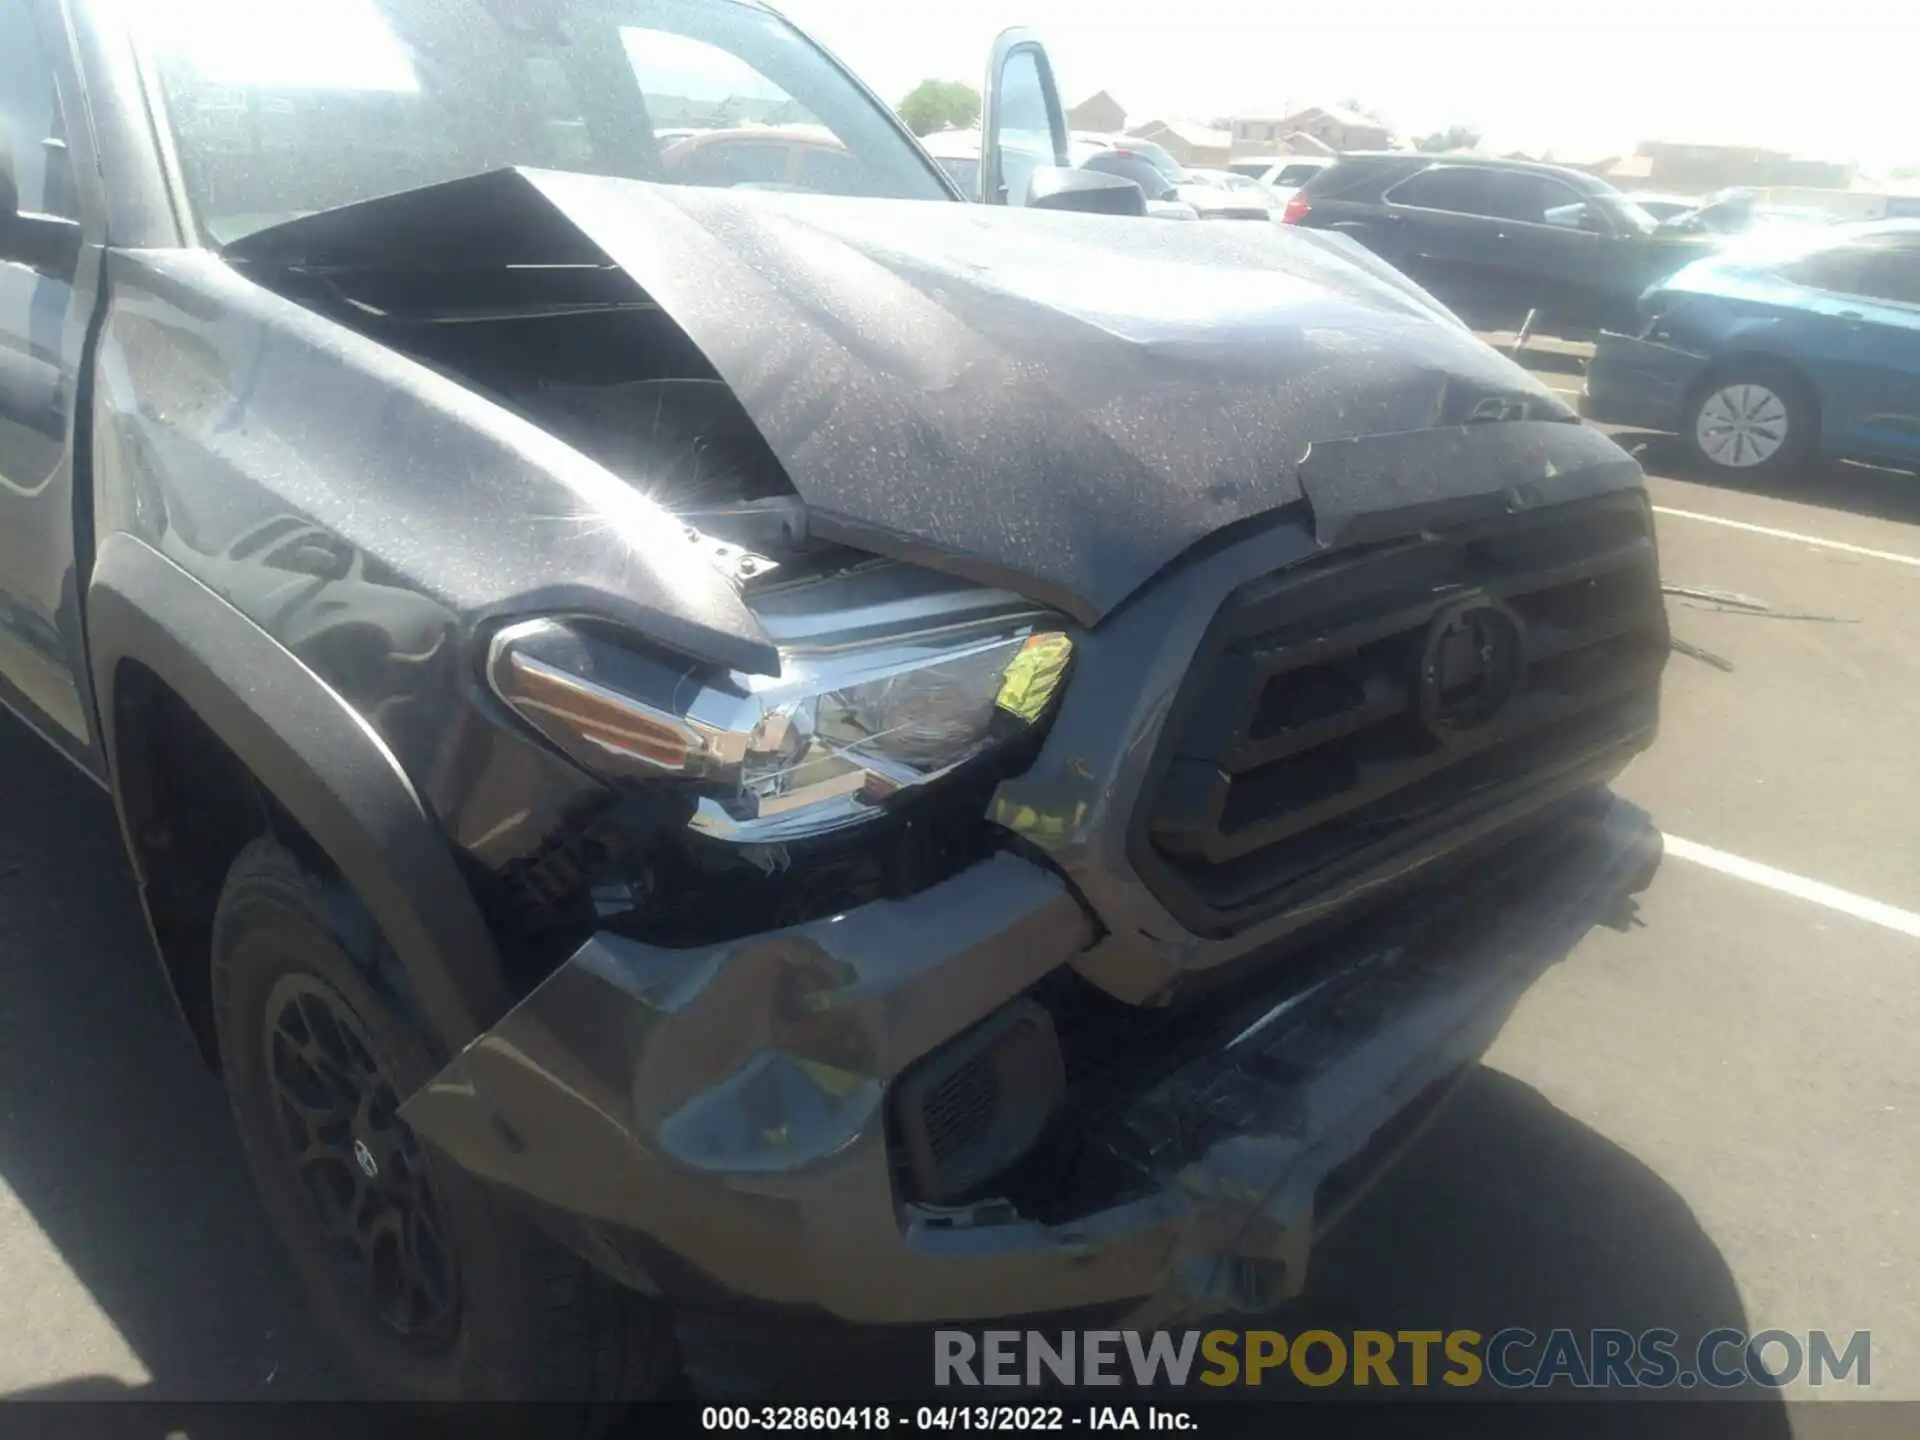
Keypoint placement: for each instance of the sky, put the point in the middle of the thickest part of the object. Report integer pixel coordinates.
(1833, 81)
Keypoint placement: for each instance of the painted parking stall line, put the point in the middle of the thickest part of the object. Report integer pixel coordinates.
(1831, 897)
(1891, 555)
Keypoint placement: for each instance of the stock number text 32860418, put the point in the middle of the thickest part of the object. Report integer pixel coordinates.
(758, 1418)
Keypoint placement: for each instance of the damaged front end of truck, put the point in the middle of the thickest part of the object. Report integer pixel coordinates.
(1011, 760)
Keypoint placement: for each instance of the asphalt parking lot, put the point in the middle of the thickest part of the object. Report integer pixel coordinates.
(1711, 1119)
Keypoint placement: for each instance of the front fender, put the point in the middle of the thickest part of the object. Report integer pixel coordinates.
(318, 759)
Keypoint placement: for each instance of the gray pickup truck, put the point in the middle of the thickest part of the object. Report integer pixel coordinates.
(699, 719)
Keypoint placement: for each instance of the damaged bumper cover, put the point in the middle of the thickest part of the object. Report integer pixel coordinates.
(722, 1112)
(1639, 382)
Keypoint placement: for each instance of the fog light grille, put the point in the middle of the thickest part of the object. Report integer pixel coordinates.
(976, 1105)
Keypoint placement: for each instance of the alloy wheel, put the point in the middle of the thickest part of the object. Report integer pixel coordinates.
(361, 1167)
(1741, 426)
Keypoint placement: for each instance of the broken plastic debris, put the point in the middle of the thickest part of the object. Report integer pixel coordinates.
(1686, 648)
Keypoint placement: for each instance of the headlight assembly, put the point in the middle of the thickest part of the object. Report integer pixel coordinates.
(889, 679)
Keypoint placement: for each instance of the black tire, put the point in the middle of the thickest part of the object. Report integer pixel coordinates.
(1774, 396)
(310, 1010)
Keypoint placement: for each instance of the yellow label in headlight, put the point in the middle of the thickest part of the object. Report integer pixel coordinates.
(1034, 675)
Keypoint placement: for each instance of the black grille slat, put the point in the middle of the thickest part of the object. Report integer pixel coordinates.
(1623, 559)
(1276, 616)
(1381, 699)
(1298, 870)
(1379, 779)
(1302, 738)
(1549, 642)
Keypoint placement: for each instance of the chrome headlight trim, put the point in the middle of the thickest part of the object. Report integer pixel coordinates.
(873, 699)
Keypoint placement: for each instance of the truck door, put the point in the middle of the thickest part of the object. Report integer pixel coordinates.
(46, 301)
(1023, 126)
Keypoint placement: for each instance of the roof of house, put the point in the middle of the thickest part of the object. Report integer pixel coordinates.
(1298, 142)
(1709, 150)
(1190, 132)
(1631, 167)
(1106, 95)
(1339, 114)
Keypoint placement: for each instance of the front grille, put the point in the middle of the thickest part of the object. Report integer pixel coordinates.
(1349, 711)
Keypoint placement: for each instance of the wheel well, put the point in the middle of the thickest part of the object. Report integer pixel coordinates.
(191, 806)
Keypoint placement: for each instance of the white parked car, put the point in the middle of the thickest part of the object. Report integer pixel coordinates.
(1245, 191)
(958, 152)
(1290, 172)
(1166, 181)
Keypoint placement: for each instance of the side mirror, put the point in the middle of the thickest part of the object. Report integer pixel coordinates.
(1578, 216)
(42, 242)
(1020, 111)
(1088, 191)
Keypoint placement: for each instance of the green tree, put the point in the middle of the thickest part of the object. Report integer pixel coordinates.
(1454, 137)
(940, 105)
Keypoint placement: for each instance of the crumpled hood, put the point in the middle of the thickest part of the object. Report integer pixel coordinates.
(1057, 403)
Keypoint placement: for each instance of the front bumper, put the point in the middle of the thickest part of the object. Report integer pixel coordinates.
(1639, 383)
(718, 1116)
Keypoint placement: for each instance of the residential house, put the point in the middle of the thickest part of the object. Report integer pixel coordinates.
(1339, 128)
(1298, 142)
(1689, 169)
(1271, 132)
(1189, 143)
(1617, 168)
(1261, 134)
(1100, 113)
(1636, 171)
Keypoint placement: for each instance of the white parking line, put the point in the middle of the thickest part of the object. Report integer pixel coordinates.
(1798, 886)
(1897, 559)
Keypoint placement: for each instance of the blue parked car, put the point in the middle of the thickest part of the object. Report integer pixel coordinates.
(1777, 348)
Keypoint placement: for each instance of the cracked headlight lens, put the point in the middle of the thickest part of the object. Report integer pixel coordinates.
(850, 722)
(917, 719)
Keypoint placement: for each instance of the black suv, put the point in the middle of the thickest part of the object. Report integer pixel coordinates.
(1498, 240)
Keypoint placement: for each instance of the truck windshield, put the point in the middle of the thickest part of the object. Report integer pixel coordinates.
(280, 108)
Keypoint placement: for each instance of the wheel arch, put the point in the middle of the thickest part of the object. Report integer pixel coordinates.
(319, 775)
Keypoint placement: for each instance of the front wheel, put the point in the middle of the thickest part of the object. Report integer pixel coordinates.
(1753, 419)
(431, 1283)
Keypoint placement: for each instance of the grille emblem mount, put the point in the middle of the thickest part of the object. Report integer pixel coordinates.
(1473, 662)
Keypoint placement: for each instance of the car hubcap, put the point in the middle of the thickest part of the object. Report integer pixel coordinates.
(1741, 426)
(360, 1165)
